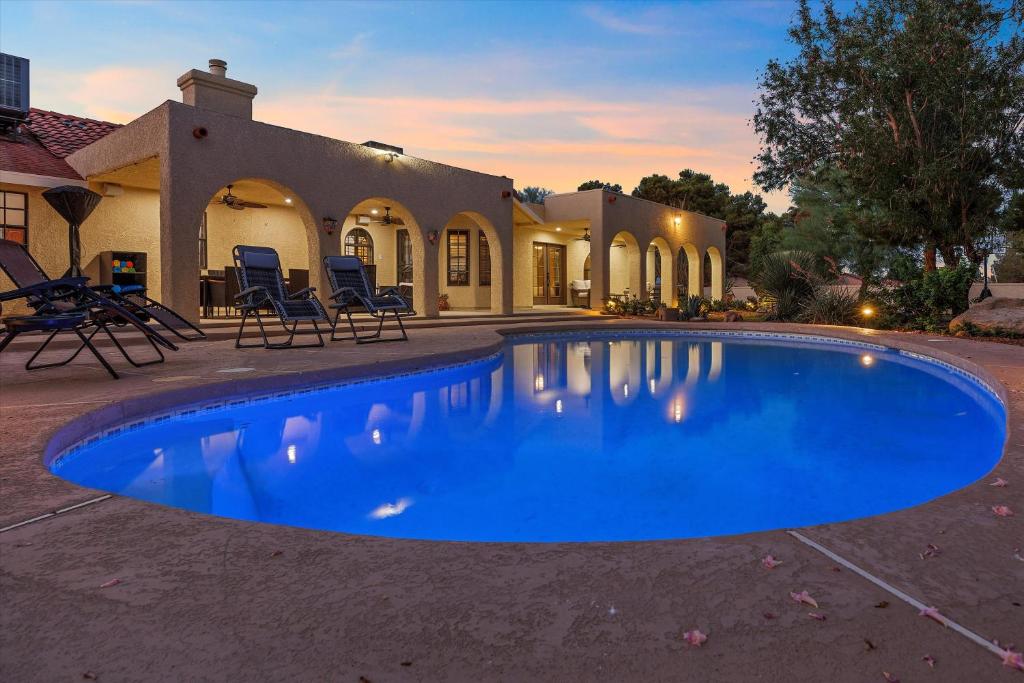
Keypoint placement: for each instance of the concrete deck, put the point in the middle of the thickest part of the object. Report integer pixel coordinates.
(206, 598)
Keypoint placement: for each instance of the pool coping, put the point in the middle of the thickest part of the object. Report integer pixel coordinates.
(125, 416)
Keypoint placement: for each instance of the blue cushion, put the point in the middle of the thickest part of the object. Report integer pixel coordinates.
(257, 259)
(343, 262)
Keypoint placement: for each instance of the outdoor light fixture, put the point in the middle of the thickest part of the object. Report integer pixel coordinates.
(558, 228)
(389, 152)
(374, 211)
(867, 311)
(199, 132)
(678, 220)
(291, 454)
(612, 198)
(329, 224)
(375, 435)
(505, 194)
(287, 200)
(433, 236)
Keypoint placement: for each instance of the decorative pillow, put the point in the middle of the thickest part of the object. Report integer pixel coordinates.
(581, 285)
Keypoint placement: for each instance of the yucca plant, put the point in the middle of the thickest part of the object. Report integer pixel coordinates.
(786, 280)
(830, 306)
(695, 306)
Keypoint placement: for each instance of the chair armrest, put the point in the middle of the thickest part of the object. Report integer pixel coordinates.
(41, 287)
(343, 291)
(250, 291)
(385, 291)
(302, 293)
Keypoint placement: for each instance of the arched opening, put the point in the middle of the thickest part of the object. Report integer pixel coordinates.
(714, 277)
(469, 275)
(660, 274)
(687, 272)
(255, 212)
(586, 268)
(359, 243)
(383, 233)
(624, 266)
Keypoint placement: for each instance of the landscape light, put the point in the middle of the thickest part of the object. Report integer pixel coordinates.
(867, 311)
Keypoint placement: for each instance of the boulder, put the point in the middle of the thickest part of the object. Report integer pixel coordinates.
(733, 317)
(996, 313)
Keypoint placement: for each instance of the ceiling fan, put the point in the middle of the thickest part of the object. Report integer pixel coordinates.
(585, 237)
(388, 219)
(232, 202)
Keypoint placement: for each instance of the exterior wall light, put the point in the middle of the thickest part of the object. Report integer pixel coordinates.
(329, 224)
(612, 198)
(287, 200)
(678, 220)
(505, 194)
(432, 236)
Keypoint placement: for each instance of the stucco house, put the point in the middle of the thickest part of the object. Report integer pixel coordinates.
(435, 228)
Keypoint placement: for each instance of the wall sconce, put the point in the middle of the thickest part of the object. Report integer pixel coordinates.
(678, 220)
(329, 224)
(433, 236)
(389, 157)
(612, 198)
(200, 132)
(505, 194)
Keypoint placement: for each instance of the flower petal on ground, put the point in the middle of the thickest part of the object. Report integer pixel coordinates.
(816, 615)
(890, 678)
(933, 613)
(1014, 660)
(695, 637)
(1002, 510)
(999, 483)
(804, 597)
(112, 582)
(929, 660)
(770, 562)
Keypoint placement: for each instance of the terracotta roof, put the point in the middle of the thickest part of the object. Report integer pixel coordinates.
(45, 139)
(64, 134)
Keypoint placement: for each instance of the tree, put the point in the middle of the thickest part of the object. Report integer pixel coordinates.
(920, 103)
(534, 194)
(598, 185)
(1010, 266)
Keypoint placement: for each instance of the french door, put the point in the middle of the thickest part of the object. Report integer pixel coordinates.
(548, 273)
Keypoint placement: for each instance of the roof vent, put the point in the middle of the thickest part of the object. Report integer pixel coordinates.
(218, 67)
(13, 89)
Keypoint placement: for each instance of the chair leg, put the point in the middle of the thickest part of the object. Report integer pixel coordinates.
(241, 328)
(124, 352)
(334, 326)
(87, 343)
(8, 338)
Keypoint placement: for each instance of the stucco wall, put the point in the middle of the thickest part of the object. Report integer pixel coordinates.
(522, 251)
(277, 227)
(472, 296)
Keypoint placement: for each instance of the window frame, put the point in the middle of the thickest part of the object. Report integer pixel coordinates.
(353, 248)
(484, 259)
(461, 277)
(3, 216)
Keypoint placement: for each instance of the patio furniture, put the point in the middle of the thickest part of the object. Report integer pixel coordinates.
(298, 278)
(351, 287)
(261, 284)
(580, 291)
(63, 305)
(133, 297)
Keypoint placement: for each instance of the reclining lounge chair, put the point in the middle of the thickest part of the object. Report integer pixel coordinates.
(133, 297)
(261, 287)
(66, 305)
(351, 288)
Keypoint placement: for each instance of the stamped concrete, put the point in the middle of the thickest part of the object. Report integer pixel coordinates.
(206, 598)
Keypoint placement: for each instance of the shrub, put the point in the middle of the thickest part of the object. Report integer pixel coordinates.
(630, 305)
(787, 279)
(929, 300)
(695, 306)
(830, 306)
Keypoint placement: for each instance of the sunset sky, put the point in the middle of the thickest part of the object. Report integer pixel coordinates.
(547, 93)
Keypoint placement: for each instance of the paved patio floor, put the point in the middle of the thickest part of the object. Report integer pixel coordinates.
(206, 598)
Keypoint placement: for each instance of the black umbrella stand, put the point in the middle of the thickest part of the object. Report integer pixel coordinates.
(74, 204)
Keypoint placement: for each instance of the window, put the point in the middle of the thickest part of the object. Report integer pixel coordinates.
(485, 261)
(458, 258)
(14, 217)
(404, 249)
(202, 243)
(586, 268)
(359, 243)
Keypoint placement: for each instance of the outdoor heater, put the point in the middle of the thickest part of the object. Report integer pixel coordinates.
(74, 204)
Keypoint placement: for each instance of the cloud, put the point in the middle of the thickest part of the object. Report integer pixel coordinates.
(355, 47)
(648, 23)
(113, 93)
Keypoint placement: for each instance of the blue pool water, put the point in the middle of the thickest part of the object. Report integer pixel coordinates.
(577, 438)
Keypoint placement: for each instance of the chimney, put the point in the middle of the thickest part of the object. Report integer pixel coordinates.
(213, 90)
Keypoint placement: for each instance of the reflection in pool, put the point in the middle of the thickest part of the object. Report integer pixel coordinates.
(577, 439)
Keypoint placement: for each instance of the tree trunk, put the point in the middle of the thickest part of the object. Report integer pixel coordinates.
(949, 256)
(929, 258)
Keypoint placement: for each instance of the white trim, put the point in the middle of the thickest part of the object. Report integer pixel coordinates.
(31, 179)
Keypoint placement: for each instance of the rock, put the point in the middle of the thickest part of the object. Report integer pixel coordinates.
(1000, 313)
(733, 317)
(668, 314)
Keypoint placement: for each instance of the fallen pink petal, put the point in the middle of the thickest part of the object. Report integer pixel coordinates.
(695, 637)
(112, 582)
(1002, 510)
(1000, 483)
(929, 660)
(770, 562)
(1014, 660)
(890, 678)
(804, 597)
(933, 613)
(817, 616)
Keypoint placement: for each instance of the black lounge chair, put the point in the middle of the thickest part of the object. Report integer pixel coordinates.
(351, 288)
(66, 304)
(134, 298)
(262, 288)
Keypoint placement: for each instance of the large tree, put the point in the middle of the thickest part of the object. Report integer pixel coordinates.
(920, 103)
(599, 185)
(534, 194)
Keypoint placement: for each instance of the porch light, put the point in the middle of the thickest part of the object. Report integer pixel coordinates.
(678, 220)
(867, 311)
(329, 224)
(374, 211)
(558, 228)
(287, 200)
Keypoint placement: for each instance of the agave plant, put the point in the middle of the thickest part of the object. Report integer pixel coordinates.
(786, 280)
(695, 306)
(830, 306)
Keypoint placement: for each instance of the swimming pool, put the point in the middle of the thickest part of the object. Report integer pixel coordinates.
(577, 437)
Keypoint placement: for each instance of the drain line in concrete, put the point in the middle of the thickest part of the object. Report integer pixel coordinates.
(909, 599)
(61, 511)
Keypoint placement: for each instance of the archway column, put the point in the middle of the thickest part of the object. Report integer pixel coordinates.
(180, 203)
(425, 272)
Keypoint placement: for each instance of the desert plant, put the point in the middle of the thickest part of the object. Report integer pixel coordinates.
(695, 306)
(785, 280)
(830, 306)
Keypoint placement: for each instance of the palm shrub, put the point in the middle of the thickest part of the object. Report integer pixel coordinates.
(787, 280)
(830, 306)
(695, 306)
